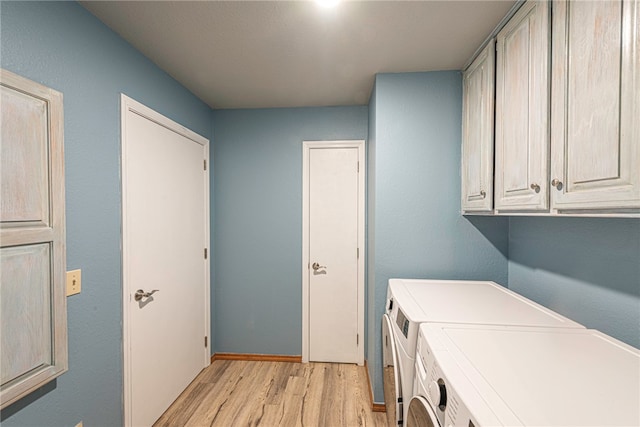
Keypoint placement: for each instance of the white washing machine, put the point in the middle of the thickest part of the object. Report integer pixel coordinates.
(481, 375)
(412, 302)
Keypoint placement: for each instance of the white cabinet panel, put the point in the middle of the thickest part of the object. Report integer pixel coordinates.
(23, 199)
(595, 128)
(477, 132)
(33, 327)
(26, 310)
(522, 105)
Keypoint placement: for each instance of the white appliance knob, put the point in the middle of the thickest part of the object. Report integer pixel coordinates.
(434, 393)
(438, 394)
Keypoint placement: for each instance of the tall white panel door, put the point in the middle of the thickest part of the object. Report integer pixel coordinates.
(595, 125)
(334, 264)
(478, 85)
(522, 109)
(165, 233)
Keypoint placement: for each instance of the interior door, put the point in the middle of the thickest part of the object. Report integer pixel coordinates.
(333, 254)
(165, 270)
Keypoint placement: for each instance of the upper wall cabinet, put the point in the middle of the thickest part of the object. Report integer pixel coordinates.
(33, 317)
(595, 111)
(567, 119)
(477, 132)
(522, 110)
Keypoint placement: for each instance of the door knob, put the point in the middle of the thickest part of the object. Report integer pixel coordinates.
(317, 266)
(142, 294)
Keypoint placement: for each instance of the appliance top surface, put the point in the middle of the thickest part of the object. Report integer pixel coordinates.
(550, 377)
(455, 301)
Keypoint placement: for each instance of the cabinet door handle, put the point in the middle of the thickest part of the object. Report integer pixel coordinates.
(557, 183)
(483, 194)
(535, 187)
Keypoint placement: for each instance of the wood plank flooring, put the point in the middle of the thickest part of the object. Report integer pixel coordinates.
(250, 393)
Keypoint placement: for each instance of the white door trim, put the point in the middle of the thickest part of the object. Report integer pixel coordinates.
(307, 146)
(129, 105)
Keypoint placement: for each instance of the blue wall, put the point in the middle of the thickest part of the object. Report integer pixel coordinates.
(63, 46)
(415, 195)
(587, 269)
(258, 221)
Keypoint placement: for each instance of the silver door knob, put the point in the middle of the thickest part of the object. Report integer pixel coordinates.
(142, 294)
(317, 266)
(557, 183)
(535, 187)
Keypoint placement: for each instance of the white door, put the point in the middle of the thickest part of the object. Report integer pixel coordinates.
(165, 233)
(334, 245)
(522, 109)
(477, 132)
(595, 131)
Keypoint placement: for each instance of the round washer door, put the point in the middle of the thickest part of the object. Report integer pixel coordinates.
(420, 414)
(391, 374)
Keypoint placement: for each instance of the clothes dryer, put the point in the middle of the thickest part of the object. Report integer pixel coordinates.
(412, 302)
(480, 375)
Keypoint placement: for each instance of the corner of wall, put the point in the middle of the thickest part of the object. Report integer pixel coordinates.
(212, 230)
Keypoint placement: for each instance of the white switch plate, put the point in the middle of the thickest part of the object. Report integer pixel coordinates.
(74, 282)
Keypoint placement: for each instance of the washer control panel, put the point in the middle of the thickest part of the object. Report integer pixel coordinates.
(403, 323)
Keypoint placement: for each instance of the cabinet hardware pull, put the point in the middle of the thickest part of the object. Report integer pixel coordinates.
(535, 187)
(557, 183)
(483, 194)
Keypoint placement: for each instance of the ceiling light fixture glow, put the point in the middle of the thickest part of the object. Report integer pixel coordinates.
(328, 3)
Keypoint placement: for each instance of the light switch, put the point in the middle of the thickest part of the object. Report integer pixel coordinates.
(74, 282)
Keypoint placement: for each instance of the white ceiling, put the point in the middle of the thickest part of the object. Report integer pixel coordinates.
(256, 54)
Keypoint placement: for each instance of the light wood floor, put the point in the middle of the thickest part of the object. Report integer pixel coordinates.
(240, 393)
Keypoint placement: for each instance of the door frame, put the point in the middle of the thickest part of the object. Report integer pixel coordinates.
(307, 146)
(129, 105)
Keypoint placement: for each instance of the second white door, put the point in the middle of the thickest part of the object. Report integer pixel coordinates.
(334, 203)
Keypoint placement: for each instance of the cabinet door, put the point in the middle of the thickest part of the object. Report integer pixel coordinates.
(477, 132)
(522, 109)
(33, 327)
(595, 121)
